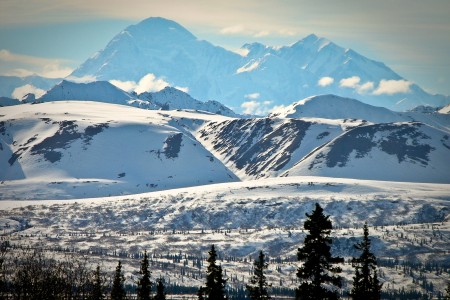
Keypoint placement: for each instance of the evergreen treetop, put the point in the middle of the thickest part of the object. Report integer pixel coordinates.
(118, 287)
(257, 288)
(317, 269)
(144, 284)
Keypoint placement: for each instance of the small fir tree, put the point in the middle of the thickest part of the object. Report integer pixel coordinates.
(118, 287)
(317, 269)
(366, 285)
(215, 283)
(160, 290)
(257, 288)
(98, 286)
(144, 284)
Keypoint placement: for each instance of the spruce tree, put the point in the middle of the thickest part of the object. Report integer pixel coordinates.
(365, 282)
(98, 287)
(160, 293)
(317, 269)
(257, 289)
(144, 284)
(118, 287)
(215, 283)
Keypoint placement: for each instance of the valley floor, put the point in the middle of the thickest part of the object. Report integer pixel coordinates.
(409, 228)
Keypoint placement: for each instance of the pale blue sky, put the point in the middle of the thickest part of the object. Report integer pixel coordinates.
(52, 37)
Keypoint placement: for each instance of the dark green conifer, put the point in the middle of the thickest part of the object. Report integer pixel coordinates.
(98, 286)
(317, 269)
(144, 287)
(215, 283)
(257, 288)
(366, 285)
(118, 287)
(160, 290)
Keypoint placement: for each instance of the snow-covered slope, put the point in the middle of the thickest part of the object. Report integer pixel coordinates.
(171, 98)
(89, 149)
(266, 147)
(392, 151)
(335, 107)
(280, 74)
(408, 222)
(101, 91)
(445, 110)
(168, 98)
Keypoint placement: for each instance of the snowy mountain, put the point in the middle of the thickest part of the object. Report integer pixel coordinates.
(312, 66)
(101, 91)
(5, 101)
(74, 149)
(335, 107)
(171, 98)
(412, 152)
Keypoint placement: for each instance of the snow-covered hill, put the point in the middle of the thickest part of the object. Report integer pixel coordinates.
(171, 98)
(312, 66)
(168, 98)
(335, 107)
(101, 91)
(88, 149)
(266, 147)
(392, 151)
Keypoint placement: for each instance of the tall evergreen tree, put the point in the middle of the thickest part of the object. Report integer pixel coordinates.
(144, 287)
(98, 286)
(258, 286)
(160, 290)
(317, 268)
(366, 285)
(118, 287)
(215, 283)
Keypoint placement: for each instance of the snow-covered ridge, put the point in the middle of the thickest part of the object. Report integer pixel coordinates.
(89, 149)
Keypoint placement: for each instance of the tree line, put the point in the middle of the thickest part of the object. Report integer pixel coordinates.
(36, 277)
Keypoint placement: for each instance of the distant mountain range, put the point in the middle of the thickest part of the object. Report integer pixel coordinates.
(260, 74)
(312, 66)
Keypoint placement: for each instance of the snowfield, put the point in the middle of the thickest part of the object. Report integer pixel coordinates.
(409, 222)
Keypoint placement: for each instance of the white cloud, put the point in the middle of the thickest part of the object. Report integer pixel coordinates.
(252, 96)
(354, 83)
(14, 64)
(235, 29)
(262, 33)
(365, 88)
(391, 87)
(350, 82)
(128, 86)
(148, 83)
(21, 91)
(325, 81)
(253, 107)
(183, 89)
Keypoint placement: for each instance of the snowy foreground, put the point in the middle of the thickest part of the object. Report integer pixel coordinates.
(409, 222)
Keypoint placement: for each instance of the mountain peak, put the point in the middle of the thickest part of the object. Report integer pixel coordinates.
(157, 26)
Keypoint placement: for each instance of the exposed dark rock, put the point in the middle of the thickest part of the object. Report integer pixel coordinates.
(172, 145)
